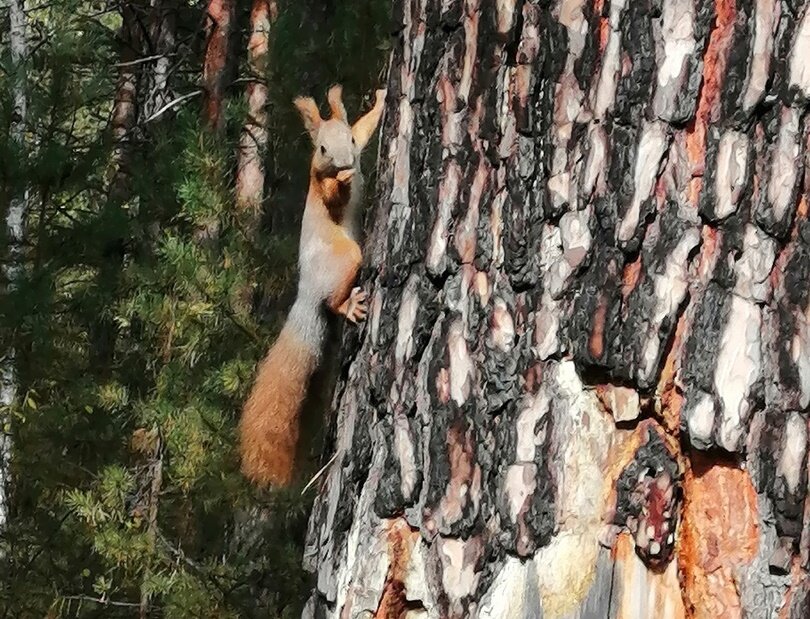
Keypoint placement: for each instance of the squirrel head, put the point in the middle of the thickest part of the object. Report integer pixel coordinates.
(337, 144)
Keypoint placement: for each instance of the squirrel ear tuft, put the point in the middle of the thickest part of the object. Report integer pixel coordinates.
(335, 98)
(310, 114)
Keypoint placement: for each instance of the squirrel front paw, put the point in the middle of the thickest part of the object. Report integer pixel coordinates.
(345, 176)
(356, 309)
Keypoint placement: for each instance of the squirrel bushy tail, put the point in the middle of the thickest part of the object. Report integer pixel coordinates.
(269, 426)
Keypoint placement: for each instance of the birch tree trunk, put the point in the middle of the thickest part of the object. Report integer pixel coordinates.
(582, 389)
(15, 218)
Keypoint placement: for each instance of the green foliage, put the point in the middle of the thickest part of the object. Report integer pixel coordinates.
(138, 324)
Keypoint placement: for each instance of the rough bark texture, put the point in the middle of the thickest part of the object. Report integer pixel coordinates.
(253, 141)
(125, 106)
(583, 386)
(15, 222)
(220, 23)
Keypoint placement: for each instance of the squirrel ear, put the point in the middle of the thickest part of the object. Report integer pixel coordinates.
(335, 98)
(365, 126)
(310, 114)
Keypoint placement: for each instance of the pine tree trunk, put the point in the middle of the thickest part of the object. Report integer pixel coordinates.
(157, 91)
(253, 141)
(125, 106)
(15, 221)
(220, 23)
(143, 90)
(583, 386)
(119, 185)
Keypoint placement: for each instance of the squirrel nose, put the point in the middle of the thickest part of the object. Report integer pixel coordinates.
(343, 163)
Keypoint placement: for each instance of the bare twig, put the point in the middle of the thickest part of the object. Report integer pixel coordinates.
(133, 63)
(318, 474)
(172, 104)
(102, 601)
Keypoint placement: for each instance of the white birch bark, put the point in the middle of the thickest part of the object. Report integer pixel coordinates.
(15, 217)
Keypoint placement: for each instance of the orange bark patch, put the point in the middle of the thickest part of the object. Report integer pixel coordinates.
(604, 25)
(709, 244)
(719, 532)
(604, 33)
(220, 16)
(443, 385)
(596, 344)
(645, 593)
(801, 211)
(670, 397)
(622, 403)
(401, 541)
(630, 276)
(714, 66)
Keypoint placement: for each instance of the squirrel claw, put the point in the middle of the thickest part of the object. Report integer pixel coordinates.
(356, 309)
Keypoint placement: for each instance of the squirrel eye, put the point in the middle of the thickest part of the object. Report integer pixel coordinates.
(353, 142)
(323, 150)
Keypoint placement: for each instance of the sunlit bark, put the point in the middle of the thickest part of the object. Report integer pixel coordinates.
(583, 386)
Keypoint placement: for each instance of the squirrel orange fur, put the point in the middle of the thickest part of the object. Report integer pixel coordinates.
(329, 259)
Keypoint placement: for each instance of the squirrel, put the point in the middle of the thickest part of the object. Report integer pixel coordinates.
(329, 260)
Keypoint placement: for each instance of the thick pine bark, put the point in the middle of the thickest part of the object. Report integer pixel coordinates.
(583, 386)
(253, 141)
(15, 221)
(125, 106)
(219, 26)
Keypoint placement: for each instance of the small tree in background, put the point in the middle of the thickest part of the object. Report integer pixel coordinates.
(136, 342)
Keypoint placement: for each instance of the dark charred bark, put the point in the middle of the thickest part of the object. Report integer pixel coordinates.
(582, 389)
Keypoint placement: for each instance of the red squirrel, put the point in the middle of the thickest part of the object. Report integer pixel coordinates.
(329, 259)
